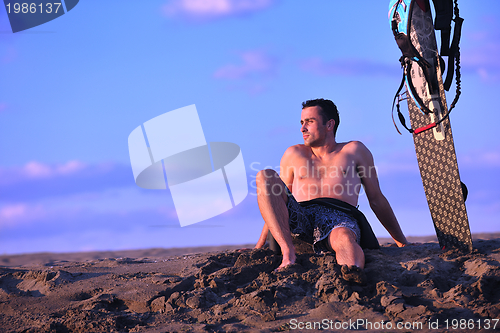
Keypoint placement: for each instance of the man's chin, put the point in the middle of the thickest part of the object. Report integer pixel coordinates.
(309, 143)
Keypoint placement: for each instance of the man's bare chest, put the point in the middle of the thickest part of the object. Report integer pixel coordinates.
(340, 167)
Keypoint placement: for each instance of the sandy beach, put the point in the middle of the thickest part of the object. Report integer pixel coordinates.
(221, 289)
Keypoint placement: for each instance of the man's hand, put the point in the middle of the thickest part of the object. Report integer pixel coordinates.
(257, 246)
(399, 244)
(260, 244)
(245, 249)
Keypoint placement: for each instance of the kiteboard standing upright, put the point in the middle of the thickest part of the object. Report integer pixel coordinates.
(411, 22)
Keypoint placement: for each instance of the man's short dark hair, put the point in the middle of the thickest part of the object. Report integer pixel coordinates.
(328, 110)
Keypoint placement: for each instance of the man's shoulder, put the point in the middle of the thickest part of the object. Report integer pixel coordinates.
(353, 143)
(353, 146)
(356, 149)
(297, 149)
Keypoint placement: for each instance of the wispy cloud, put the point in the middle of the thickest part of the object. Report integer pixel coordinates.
(13, 214)
(252, 63)
(36, 180)
(39, 170)
(203, 10)
(116, 202)
(348, 67)
(36, 169)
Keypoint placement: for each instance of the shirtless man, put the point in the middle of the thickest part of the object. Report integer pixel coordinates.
(321, 168)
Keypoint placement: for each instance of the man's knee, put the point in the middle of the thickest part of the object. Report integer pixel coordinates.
(266, 175)
(269, 182)
(340, 236)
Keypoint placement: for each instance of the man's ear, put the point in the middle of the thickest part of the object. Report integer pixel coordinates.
(330, 124)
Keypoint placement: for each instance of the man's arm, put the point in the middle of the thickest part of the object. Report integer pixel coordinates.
(378, 202)
(287, 170)
(263, 237)
(286, 175)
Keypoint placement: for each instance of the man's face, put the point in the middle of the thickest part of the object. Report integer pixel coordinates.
(313, 130)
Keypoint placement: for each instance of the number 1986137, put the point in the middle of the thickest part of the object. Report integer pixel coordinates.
(464, 324)
(27, 8)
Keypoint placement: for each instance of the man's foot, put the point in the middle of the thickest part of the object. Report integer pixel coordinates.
(353, 274)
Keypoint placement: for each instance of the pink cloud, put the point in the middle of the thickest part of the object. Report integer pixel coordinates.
(211, 9)
(14, 214)
(13, 211)
(36, 169)
(39, 171)
(70, 167)
(253, 62)
(36, 180)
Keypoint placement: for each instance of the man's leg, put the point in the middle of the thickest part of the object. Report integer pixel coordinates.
(272, 199)
(347, 250)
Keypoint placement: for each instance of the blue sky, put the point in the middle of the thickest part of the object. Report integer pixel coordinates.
(73, 89)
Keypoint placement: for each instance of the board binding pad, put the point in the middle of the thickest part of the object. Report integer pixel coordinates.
(435, 148)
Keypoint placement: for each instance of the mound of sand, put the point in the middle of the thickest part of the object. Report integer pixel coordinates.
(414, 288)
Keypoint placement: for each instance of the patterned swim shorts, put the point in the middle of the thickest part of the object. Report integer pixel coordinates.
(313, 223)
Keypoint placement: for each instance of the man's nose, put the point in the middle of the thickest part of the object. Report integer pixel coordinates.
(303, 128)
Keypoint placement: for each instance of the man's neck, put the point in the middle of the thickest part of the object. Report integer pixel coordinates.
(325, 149)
